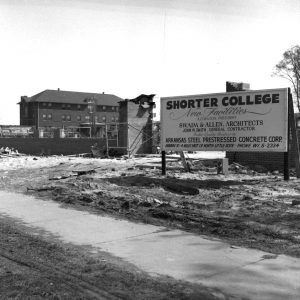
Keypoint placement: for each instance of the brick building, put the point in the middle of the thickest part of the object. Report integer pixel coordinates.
(269, 160)
(64, 109)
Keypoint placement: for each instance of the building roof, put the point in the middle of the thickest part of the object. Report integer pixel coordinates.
(58, 96)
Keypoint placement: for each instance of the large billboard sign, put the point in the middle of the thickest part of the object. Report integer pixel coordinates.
(236, 121)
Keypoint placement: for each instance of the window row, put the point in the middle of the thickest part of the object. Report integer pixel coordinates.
(78, 106)
(81, 118)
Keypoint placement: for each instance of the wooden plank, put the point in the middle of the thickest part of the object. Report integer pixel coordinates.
(185, 165)
(225, 166)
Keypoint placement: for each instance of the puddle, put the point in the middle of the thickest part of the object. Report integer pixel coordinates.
(154, 249)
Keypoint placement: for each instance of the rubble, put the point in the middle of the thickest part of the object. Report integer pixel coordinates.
(9, 152)
(98, 152)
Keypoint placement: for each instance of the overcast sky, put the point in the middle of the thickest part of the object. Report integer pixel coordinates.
(129, 47)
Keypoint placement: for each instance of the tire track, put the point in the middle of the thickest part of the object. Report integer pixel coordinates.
(73, 281)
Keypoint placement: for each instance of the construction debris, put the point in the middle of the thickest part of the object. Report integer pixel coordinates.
(9, 152)
(98, 152)
(247, 208)
(41, 189)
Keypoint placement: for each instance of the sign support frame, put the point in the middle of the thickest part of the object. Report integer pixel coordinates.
(294, 136)
(291, 137)
(185, 165)
(286, 167)
(163, 162)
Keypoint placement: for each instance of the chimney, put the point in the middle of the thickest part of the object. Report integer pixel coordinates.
(24, 98)
(58, 89)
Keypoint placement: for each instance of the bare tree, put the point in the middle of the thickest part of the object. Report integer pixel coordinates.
(289, 68)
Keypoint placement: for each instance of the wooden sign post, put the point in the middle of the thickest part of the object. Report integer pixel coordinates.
(163, 162)
(293, 133)
(286, 165)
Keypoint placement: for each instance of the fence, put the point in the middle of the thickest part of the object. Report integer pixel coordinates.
(98, 131)
(16, 131)
(130, 138)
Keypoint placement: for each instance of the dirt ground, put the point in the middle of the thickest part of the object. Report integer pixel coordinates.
(245, 208)
(34, 268)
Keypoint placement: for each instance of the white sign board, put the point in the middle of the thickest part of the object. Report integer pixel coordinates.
(236, 121)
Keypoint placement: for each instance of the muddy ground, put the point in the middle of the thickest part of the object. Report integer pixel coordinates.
(245, 208)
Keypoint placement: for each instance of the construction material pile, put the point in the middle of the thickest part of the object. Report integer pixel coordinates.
(9, 152)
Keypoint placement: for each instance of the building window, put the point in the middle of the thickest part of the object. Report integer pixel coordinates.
(117, 119)
(44, 116)
(103, 118)
(79, 106)
(112, 108)
(103, 107)
(78, 118)
(117, 108)
(44, 104)
(87, 118)
(112, 127)
(112, 119)
(298, 123)
(63, 117)
(68, 106)
(49, 117)
(49, 104)
(63, 106)
(68, 117)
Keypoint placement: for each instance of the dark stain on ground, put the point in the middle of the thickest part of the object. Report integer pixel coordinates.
(174, 184)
